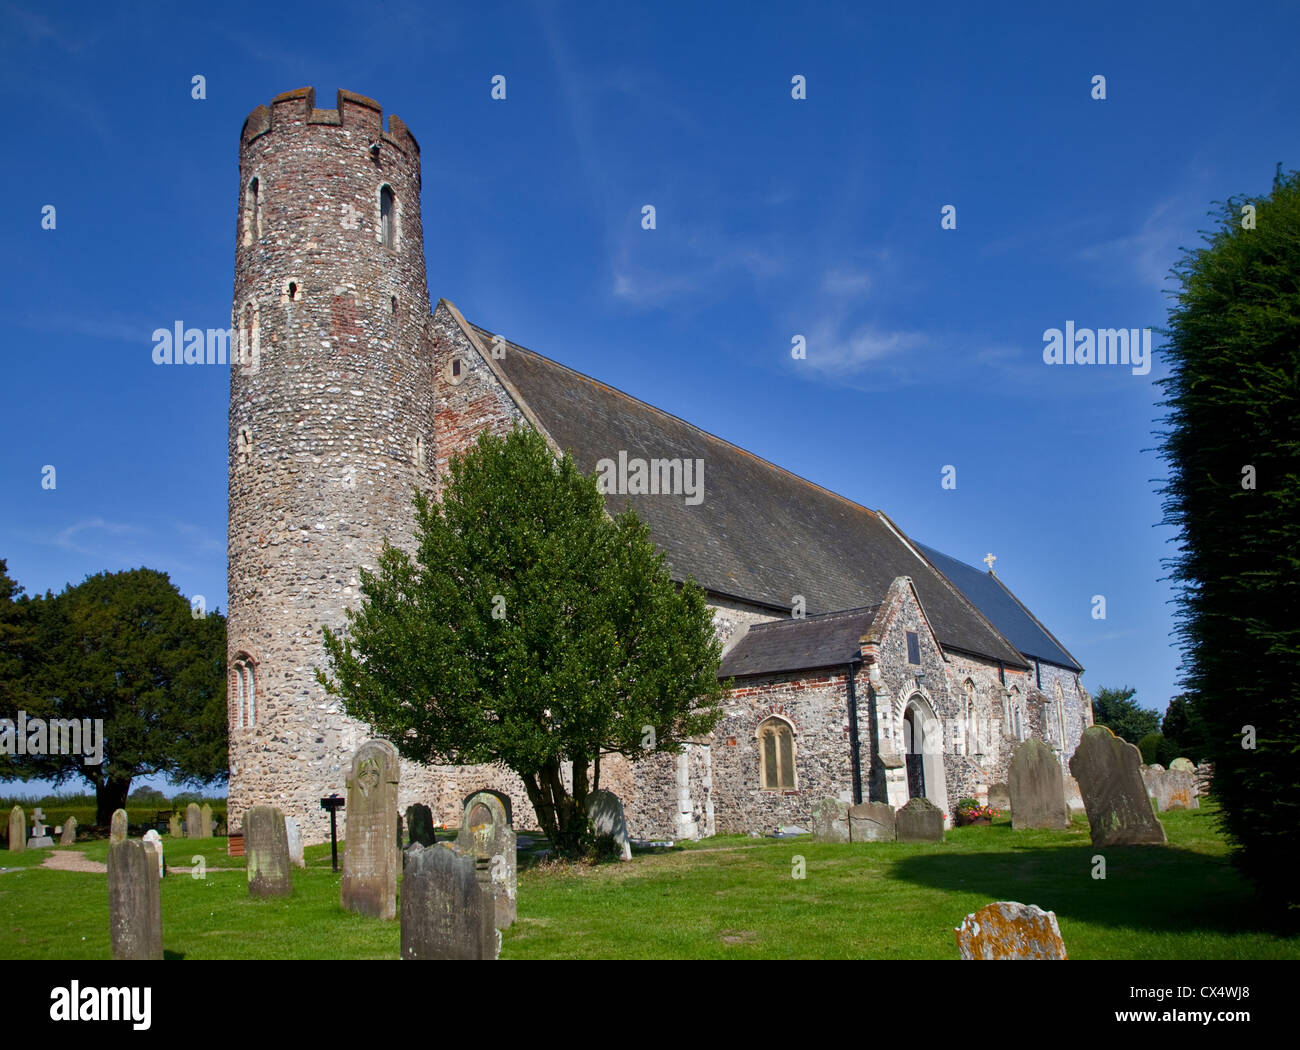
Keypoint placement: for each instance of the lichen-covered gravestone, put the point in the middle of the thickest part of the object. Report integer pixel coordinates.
(1010, 930)
(266, 848)
(69, 834)
(446, 912)
(193, 821)
(920, 821)
(1000, 797)
(134, 901)
(293, 834)
(205, 821)
(370, 860)
(1183, 765)
(872, 822)
(830, 820)
(174, 826)
(17, 830)
(1170, 788)
(118, 828)
(1037, 788)
(153, 842)
(419, 825)
(40, 837)
(1108, 770)
(605, 811)
(485, 833)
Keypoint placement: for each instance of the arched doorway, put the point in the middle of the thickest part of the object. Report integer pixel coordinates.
(923, 743)
(912, 735)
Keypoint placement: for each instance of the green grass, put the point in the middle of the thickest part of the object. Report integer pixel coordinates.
(726, 897)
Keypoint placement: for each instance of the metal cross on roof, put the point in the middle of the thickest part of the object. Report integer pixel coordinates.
(989, 559)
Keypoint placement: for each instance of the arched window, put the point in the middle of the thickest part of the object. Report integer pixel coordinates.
(973, 746)
(252, 211)
(244, 685)
(387, 217)
(1017, 716)
(776, 755)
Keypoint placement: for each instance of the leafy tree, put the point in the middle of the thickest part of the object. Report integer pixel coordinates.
(1232, 445)
(17, 644)
(124, 648)
(1155, 747)
(1119, 712)
(530, 629)
(1182, 726)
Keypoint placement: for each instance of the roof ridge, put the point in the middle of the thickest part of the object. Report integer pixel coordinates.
(1039, 623)
(857, 609)
(700, 430)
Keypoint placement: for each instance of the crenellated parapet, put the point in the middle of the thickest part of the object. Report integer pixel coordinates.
(352, 112)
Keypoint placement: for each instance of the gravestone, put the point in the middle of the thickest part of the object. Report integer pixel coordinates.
(1108, 770)
(266, 848)
(205, 821)
(117, 830)
(399, 833)
(1184, 765)
(17, 830)
(446, 912)
(40, 837)
(153, 842)
(920, 821)
(370, 862)
(830, 820)
(293, 835)
(1170, 788)
(1073, 797)
(605, 812)
(1010, 930)
(485, 833)
(193, 821)
(174, 826)
(872, 822)
(500, 796)
(134, 901)
(69, 835)
(1000, 797)
(1037, 788)
(419, 825)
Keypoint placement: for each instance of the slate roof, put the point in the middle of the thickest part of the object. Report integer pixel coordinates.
(792, 645)
(761, 534)
(1003, 609)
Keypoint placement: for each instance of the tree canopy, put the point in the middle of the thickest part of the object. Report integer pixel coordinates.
(529, 629)
(1232, 445)
(1121, 714)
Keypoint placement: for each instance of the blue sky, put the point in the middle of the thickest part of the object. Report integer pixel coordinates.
(775, 217)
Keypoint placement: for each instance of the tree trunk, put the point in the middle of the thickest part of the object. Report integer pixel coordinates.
(563, 817)
(110, 795)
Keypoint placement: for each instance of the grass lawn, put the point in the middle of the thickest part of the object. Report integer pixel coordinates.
(726, 897)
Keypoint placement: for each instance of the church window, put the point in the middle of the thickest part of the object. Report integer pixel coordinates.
(419, 451)
(387, 218)
(1060, 713)
(293, 291)
(394, 306)
(913, 648)
(776, 755)
(244, 685)
(455, 366)
(252, 211)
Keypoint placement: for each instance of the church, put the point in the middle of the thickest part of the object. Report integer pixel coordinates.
(865, 666)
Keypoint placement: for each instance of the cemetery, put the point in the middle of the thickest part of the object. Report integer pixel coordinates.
(863, 882)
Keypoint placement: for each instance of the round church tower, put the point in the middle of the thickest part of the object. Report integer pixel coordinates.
(331, 423)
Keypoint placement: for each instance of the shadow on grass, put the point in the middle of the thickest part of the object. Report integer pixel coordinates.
(1158, 888)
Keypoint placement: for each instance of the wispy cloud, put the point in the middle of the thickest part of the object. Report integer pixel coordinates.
(76, 536)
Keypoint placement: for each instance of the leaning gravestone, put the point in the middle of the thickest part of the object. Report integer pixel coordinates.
(446, 913)
(419, 825)
(174, 826)
(1170, 788)
(1037, 788)
(1108, 770)
(1010, 930)
(205, 821)
(920, 821)
(193, 821)
(485, 833)
(293, 835)
(117, 830)
(370, 860)
(17, 830)
(266, 848)
(1000, 797)
(605, 812)
(872, 822)
(40, 838)
(69, 835)
(830, 820)
(153, 842)
(134, 902)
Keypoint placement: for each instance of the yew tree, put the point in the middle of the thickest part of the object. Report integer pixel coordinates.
(529, 629)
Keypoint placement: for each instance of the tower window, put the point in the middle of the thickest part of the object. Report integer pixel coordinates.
(244, 447)
(252, 211)
(394, 306)
(387, 218)
(244, 687)
(293, 291)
